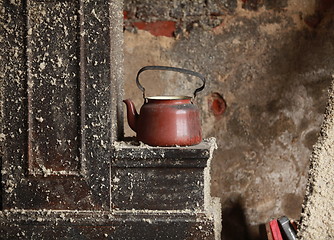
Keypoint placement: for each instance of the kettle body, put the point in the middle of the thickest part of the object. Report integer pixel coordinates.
(169, 121)
(166, 120)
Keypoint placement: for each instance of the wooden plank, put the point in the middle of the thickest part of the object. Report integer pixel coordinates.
(105, 225)
(158, 188)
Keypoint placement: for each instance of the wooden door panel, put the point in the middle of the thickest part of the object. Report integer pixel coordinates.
(59, 96)
(53, 77)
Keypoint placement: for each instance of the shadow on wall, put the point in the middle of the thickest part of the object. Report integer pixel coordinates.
(234, 226)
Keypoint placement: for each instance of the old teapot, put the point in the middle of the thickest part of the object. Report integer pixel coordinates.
(166, 120)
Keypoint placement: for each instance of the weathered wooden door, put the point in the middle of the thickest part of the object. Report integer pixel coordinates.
(60, 69)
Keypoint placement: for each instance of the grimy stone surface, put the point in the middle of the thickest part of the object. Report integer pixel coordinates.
(318, 212)
(271, 61)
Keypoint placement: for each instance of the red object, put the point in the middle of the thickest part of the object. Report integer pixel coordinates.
(166, 121)
(125, 14)
(276, 232)
(159, 28)
(217, 104)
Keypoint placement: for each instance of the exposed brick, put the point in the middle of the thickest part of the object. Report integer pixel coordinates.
(159, 28)
(144, 14)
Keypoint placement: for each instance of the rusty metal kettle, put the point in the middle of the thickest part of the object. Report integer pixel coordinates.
(166, 120)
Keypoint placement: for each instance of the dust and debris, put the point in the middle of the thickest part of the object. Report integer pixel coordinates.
(318, 211)
(2, 136)
(212, 204)
(132, 180)
(42, 66)
(147, 220)
(40, 119)
(116, 179)
(59, 86)
(40, 36)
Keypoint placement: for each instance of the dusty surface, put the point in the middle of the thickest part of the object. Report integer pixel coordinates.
(58, 79)
(169, 178)
(60, 87)
(271, 61)
(272, 64)
(318, 214)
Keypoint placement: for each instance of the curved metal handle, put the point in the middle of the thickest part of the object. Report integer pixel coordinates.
(180, 70)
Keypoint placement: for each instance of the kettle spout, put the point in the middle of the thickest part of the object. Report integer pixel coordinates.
(132, 114)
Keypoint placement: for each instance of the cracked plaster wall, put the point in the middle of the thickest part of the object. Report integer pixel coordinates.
(271, 62)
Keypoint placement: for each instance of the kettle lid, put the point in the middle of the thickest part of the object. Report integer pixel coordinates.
(167, 97)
